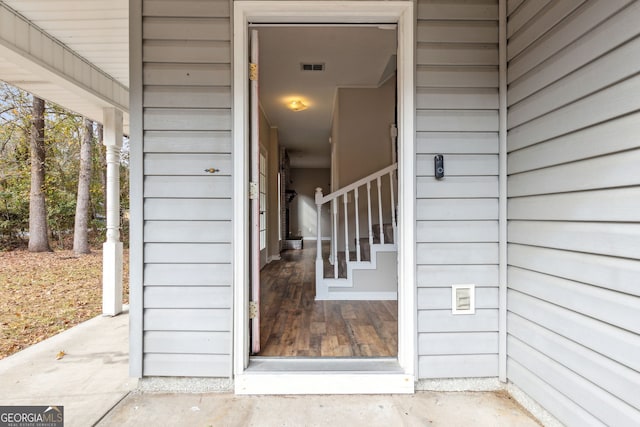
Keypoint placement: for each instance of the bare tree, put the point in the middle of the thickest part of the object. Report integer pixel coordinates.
(81, 225)
(38, 226)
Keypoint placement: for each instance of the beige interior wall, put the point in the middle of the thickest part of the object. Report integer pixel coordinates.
(362, 143)
(335, 143)
(364, 118)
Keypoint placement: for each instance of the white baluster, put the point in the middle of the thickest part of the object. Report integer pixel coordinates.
(370, 220)
(334, 206)
(393, 204)
(356, 208)
(346, 228)
(380, 211)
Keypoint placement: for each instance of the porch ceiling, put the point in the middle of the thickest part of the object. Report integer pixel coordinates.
(71, 52)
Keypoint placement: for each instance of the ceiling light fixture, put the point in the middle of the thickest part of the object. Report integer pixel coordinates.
(297, 105)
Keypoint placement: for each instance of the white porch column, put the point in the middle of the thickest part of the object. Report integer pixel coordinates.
(112, 248)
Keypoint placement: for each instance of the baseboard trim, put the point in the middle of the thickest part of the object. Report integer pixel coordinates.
(273, 258)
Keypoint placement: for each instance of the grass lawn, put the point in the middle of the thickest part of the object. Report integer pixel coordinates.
(42, 294)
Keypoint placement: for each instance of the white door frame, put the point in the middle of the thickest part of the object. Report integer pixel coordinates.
(356, 12)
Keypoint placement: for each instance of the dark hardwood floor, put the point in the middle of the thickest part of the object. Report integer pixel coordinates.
(294, 324)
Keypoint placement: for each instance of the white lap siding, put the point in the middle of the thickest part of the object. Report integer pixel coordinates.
(187, 297)
(457, 217)
(574, 208)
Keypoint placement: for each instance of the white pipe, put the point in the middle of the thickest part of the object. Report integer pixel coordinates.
(502, 215)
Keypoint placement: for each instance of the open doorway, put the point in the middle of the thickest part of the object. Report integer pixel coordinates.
(300, 375)
(328, 108)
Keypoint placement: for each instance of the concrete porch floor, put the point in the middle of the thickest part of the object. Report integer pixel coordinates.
(88, 381)
(225, 409)
(91, 382)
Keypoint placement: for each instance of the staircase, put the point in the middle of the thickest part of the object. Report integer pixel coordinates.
(365, 252)
(365, 245)
(370, 269)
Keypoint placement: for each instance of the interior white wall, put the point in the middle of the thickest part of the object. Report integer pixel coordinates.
(303, 211)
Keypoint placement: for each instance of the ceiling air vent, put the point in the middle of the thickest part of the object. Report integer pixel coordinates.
(312, 67)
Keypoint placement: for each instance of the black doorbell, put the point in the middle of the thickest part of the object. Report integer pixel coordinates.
(438, 166)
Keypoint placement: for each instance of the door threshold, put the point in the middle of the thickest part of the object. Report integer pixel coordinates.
(324, 364)
(294, 375)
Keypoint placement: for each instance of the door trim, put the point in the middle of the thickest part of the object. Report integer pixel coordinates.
(342, 12)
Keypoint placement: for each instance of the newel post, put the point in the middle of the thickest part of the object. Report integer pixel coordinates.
(112, 248)
(319, 262)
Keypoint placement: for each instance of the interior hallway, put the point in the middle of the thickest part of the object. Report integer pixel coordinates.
(292, 323)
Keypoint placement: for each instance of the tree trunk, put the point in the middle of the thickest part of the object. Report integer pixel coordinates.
(38, 228)
(81, 226)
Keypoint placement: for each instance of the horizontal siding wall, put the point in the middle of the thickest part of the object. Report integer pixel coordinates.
(187, 212)
(457, 217)
(574, 208)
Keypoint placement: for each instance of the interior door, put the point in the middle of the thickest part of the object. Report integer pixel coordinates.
(255, 196)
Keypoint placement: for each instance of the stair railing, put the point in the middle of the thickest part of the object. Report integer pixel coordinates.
(344, 193)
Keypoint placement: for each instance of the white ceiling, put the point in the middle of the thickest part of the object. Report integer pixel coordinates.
(353, 57)
(71, 52)
(98, 30)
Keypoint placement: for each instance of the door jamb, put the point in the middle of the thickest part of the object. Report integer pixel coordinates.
(356, 12)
